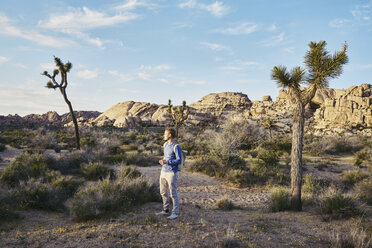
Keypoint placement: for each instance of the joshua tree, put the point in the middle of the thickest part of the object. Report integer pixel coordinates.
(63, 69)
(178, 114)
(321, 66)
(268, 124)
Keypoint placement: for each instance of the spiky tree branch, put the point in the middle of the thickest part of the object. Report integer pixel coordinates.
(63, 69)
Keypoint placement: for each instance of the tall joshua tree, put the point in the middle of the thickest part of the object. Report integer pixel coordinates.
(178, 114)
(321, 66)
(63, 69)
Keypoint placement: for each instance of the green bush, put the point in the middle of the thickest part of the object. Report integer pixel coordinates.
(142, 160)
(241, 178)
(312, 185)
(87, 141)
(95, 171)
(128, 172)
(352, 177)
(34, 194)
(68, 184)
(362, 156)
(279, 200)
(2, 147)
(24, 167)
(225, 204)
(363, 190)
(269, 158)
(334, 204)
(106, 197)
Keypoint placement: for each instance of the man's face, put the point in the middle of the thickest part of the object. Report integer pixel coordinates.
(167, 135)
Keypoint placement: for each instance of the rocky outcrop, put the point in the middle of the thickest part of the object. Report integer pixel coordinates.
(50, 118)
(349, 108)
(330, 109)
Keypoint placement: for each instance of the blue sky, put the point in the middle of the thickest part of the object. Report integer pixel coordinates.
(152, 51)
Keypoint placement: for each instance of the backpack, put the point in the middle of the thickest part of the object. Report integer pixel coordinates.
(183, 157)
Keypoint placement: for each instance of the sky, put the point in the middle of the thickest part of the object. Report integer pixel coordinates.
(155, 50)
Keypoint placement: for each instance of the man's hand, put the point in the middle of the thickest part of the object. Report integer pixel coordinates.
(163, 161)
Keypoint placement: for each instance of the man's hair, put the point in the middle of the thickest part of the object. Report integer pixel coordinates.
(172, 131)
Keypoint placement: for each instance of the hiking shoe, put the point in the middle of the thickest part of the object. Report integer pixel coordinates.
(172, 217)
(162, 213)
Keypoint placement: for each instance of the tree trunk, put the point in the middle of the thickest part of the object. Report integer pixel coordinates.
(296, 155)
(73, 119)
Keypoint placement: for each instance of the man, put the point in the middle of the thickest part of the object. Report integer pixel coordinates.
(169, 174)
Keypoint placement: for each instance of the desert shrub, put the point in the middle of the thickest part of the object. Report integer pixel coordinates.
(71, 162)
(17, 138)
(312, 184)
(2, 147)
(241, 178)
(351, 177)
(107, 197)
(128, 172)
(269, 158)
(225, 204)
(24, 167)
(333, 145)
(87, 141)
(363, 156)
(363, 190)
(34, 194)
(140, 159)
(6, 212)
(279, 199)
(95, 170)
(204, 164)
(68, 184)
(281, 143)
(333, 204)
(356, 237)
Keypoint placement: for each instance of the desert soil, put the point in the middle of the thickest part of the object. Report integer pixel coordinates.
(200, 224)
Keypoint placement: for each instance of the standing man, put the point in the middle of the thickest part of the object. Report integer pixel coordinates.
(169, 174)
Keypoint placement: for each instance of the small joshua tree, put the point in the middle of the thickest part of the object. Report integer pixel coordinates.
(63, 69)
(178, 114)
(268, 123)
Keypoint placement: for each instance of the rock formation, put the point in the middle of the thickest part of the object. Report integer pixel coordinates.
(330, 109)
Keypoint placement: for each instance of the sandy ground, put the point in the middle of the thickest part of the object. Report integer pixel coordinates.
(204, 191)
(199, 223)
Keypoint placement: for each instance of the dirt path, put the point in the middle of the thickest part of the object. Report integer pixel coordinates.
(204, 191)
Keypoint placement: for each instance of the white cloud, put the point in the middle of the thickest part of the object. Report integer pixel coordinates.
(363, 14)
(217, 8)
(122, 77)
(240, 28)
(48, 66)
(27, 100)
(88, 74)
(84, 18)
(20, 65)
(340, 23)
(163, 67)
(272, 28)
(215, 46)
(242, 66)
(6, 28)
(289, 49)
(133, 4)
(248, 81)
(3, 59)
(143, 75)
(128, 90)
(275, 40)
(360, 15)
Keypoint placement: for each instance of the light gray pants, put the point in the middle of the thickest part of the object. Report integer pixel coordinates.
(168, 189)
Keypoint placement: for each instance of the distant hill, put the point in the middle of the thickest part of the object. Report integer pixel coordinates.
(331, 109)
